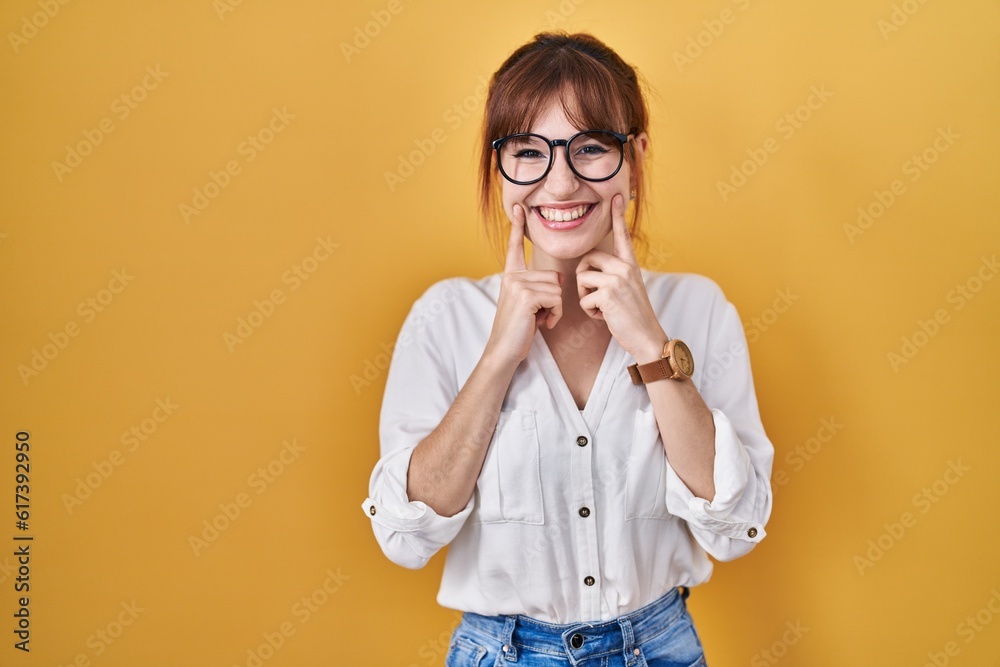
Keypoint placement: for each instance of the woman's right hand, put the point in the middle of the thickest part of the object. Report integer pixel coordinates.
(527, 299)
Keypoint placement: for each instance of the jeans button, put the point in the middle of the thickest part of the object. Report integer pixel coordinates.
(576, 641)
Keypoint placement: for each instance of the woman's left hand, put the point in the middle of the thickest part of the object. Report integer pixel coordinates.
(611, 289)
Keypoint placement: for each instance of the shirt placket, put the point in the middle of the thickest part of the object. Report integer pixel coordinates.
(578, 431)
(581, 441)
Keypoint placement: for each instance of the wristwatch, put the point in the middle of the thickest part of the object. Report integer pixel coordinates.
(675, 364)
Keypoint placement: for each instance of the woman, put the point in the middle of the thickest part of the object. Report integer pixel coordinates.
(542, 422)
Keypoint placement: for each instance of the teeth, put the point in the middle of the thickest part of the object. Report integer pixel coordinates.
(561, 214)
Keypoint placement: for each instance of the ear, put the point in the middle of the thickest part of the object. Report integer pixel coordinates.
(640, 144)
(641, 141)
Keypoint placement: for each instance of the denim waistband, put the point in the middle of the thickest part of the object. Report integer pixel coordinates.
(583, 641)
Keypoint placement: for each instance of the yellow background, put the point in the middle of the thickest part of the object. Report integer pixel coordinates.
(162, 336)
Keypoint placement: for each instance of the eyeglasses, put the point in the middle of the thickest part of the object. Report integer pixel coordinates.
(593, 155)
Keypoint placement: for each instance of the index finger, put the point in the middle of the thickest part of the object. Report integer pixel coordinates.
(515, 246)
(623, 241)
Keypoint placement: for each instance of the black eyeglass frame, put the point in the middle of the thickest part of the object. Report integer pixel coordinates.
(552, 143)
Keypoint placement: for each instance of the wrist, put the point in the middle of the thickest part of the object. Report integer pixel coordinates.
(496, 364)
(650, 351)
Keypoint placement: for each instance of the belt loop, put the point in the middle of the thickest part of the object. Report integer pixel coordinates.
(508, 651)
(628, 640)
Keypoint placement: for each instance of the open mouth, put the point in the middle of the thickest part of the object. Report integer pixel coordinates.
(563, 218)
(563, 214)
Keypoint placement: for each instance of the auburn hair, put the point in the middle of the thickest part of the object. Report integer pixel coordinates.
(596, 89)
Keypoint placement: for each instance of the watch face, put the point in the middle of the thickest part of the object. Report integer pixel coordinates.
(682, 355)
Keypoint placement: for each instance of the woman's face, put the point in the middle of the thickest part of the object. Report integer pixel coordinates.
(548, 203)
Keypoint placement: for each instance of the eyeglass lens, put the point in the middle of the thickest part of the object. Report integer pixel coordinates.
(594, 155)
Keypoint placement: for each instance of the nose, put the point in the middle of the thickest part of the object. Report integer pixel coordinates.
(561, 182)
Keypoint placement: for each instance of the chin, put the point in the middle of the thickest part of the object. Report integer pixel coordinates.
(565, 248)
(565, 245)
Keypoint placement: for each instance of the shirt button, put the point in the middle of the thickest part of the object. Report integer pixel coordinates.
(371, 510)
(584, 512)
(576, 641)
(582, 441)
(588, 580)
(752, 533)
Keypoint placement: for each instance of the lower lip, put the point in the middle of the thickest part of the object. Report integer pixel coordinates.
(560, 226)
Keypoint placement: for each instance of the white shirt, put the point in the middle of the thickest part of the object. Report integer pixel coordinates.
(522, 545)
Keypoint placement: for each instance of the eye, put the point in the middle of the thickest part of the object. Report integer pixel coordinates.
(592, 149)
(528, 153)
(526, 148)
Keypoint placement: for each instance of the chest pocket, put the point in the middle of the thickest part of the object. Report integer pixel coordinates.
(646, 483)
(509, 488)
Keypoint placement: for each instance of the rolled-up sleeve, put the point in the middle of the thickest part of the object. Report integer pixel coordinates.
(420, 388)
(733, 522)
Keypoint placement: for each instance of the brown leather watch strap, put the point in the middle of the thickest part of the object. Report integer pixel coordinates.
(654, 370)
(675, 364)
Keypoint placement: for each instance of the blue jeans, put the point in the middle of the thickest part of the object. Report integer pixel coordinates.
(661, 634)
